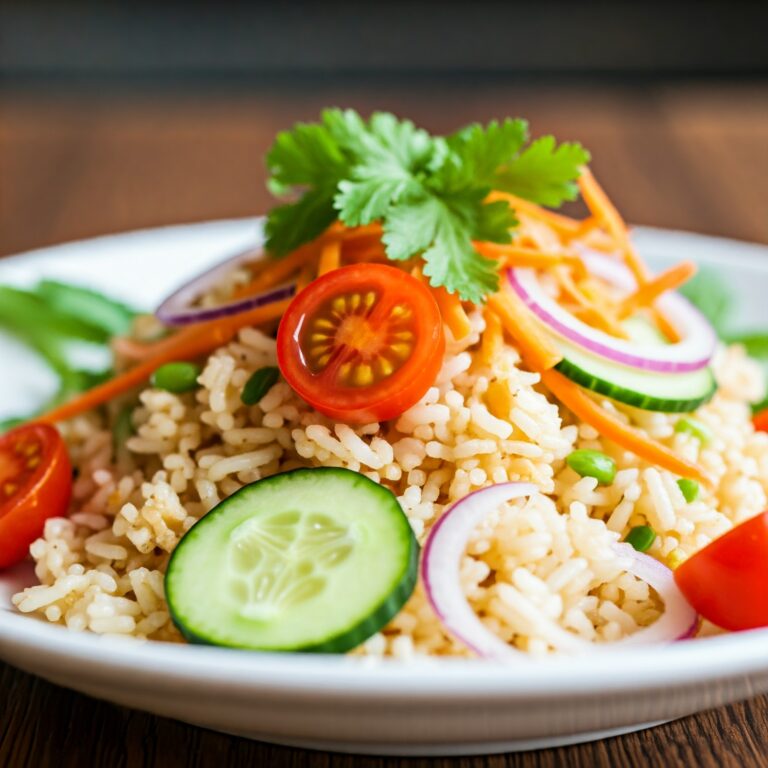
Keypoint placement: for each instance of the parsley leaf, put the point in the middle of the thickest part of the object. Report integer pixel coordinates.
(429, 193)
(544, 173)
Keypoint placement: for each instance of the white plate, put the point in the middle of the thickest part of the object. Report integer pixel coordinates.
(342, 704)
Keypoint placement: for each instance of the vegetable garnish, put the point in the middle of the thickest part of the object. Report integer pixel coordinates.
(641, 537)
(595, 464)
(362, 343)
(441, 563)
(189, 343)
(176, 377)
(612, 428)
(58, 321)
(726, 580)
(440, 573)
(760, 420)
(689, 488)
(430, 193)
(180, 308)
(692, 353)
(309, 560)
(35, 484)
(259, 384)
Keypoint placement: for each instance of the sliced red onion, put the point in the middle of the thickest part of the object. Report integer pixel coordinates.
(679, 620)
(178, 308)
(441, 561)
(440, 573)
(693, 352)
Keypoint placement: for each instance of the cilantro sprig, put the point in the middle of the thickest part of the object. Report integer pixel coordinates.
(429, 192)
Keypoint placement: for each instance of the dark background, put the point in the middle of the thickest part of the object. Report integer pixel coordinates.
(122, 115)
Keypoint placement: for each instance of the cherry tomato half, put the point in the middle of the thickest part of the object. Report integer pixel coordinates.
(35, 484)
(760, 420)
(726, 581)
(362, 343)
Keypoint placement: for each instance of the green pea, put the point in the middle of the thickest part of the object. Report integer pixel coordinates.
(689, 488)
(176, 377)
(259, 384)
(593, 464)
(694, 427)
(641, 537)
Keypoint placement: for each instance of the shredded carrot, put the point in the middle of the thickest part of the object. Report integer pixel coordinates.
(188, 344)
(452, 312)
(578, 402)
(591, 313)
(278, 271)
(524, 256)
(493, 337)
(305, 277)
(647, 293)
(536, 346)
(605, 212)
(330, 257)
(665, 326)
(558, 222)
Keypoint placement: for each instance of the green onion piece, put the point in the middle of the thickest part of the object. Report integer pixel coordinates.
(593, 464)
(122, 429)
(6, 425)
(112, 317)
(694, 427)
(689, 488)
(176, 377)
(259, 384)
(641, 537)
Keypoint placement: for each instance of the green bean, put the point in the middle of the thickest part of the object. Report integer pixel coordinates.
(689, 488)
(176, 377)
(691, 426)
(641, 537)
(259, 384)
(593, 464)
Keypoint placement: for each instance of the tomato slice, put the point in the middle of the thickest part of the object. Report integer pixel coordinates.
(35, 484)
(362, 343)
(760, 420)
(726, 581)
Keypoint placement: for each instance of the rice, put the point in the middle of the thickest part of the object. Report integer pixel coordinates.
(538, 571)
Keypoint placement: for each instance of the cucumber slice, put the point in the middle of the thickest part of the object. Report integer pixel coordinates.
(309, 560)
(649, 390)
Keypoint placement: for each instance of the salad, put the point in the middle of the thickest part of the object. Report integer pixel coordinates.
(429, 415)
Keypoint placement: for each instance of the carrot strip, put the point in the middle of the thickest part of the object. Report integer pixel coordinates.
(647, 293)
(593, 314)
(493, 337)
(278, 271)
(523, 256)
(629, 438)
(665, 326)
(537, 348)
(563, 224)
(452, 312)
(330, 257)
(605, 211)
(190, 343)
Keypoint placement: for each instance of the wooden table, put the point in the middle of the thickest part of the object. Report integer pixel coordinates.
(688, 156)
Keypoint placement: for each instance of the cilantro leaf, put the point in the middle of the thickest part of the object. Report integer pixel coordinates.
(428, 192)
(477, 152)
(293, 224)
(544, 173)
(309, 154)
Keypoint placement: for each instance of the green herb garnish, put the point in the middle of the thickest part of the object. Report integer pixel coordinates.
(259, 383)
(429, 192)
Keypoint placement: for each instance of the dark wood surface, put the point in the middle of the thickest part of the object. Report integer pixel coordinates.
(686, 156)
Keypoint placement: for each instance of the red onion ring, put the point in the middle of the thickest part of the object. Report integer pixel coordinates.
(176, 309)
(679, 620)
(440, 563)
(691, 354)
(440, 573)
